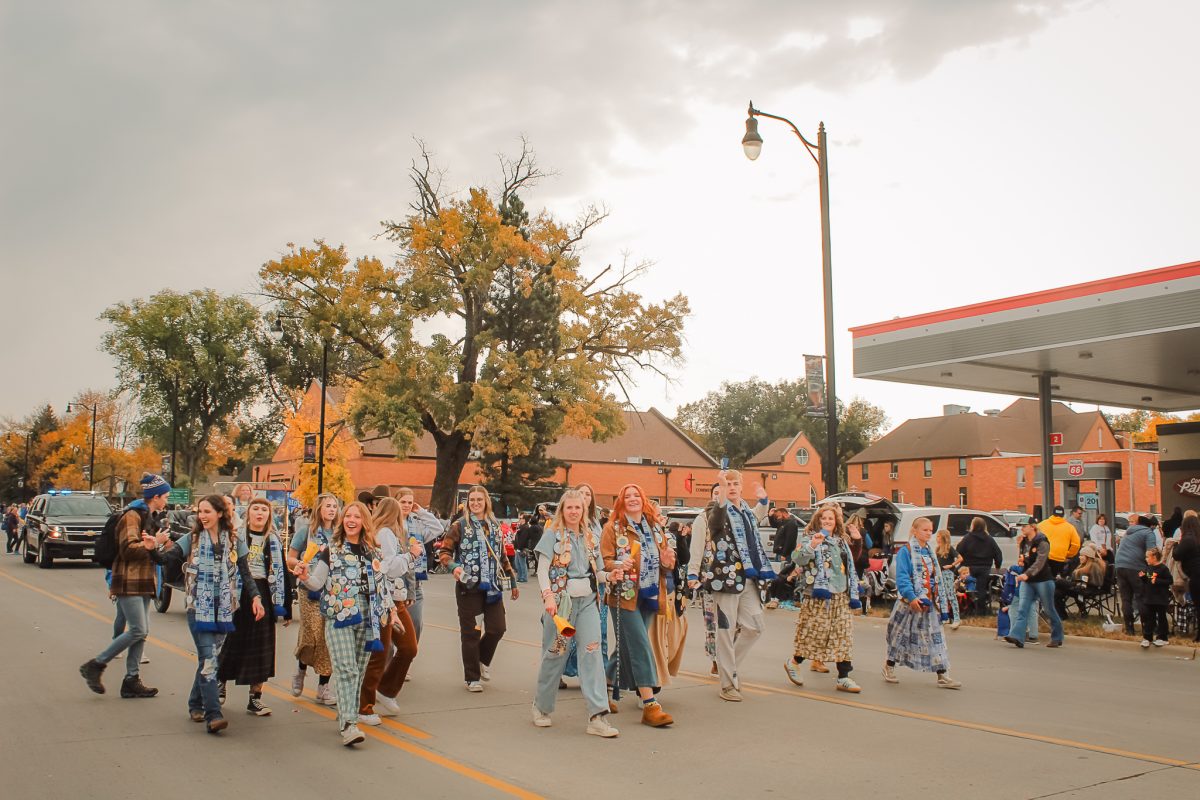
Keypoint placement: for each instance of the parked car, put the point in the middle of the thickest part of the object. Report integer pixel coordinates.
(63, 524)
(1013, 519)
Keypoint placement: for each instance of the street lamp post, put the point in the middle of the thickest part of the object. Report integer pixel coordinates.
(92, 458)
(752, 145)
(277, 334)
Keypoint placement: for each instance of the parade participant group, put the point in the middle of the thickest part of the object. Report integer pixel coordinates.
(614, 594)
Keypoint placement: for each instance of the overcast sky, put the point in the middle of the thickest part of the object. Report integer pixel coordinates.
(978, 148)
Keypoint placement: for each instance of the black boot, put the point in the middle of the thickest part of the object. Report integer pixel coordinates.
(91, 672)
(132, 686)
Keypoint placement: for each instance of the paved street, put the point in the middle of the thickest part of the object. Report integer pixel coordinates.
(1090, 720)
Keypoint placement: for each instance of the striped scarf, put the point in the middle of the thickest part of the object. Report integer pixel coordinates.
(212, 585)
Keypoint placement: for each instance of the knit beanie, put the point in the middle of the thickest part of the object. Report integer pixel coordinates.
(154, 485)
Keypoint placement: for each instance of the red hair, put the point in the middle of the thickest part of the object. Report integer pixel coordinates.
(649, 510)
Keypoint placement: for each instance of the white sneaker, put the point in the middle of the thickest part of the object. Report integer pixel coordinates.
(889, 673)
(731, 694)
(944, 681)
(352, 735)
(370, 719)
(326, 695)
(298, 683)
(1160, 642)
(386, 706)
(1145, 642)
(539, 719)
(600, 726)
(485, 672)
(954, 625)
(793, 672)
(474, 686)
(145, 660)
(848, 685)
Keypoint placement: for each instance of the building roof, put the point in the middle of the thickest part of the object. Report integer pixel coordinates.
(776, 452)
(1014, 430)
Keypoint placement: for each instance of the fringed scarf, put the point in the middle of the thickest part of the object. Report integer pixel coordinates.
(342, 601)
(648, 569)
(215, 583)
(317, 539)
(925, 576)
(834, 548)
(274, 563)
(478, 550)
(421, 562)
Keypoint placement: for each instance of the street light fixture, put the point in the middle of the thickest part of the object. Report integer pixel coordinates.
(752, 144)
(92, 459)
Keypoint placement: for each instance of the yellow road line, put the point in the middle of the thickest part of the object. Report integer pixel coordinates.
(400, 744)
(81, 601)
(959, 723)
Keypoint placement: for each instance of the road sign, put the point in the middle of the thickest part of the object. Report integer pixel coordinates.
(1075, 468)
(180, 497)
(1056, 440)
(1089, 501)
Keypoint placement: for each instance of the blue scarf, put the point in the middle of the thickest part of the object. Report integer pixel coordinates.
(648, 570)
(274, 562)
(212, 586)
(926, 575)
(342, 600)
(421, 562)
(478, 553)
(755, 563)
(322, 537)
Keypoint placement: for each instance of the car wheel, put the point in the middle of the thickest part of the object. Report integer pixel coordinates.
(28, 556)
(43, 556)
(162, 599)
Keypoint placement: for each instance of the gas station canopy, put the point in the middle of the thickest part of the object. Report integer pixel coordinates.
(1132, 341)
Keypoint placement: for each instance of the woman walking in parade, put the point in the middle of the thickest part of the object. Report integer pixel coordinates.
(387, 670)
(914, 632)
(248, 656)
(569, 574)
(639, 553)
(591, 519)
(423, 526)
(824, 628)
(216, 569)
(473, 551)
(354, 605)
(311, 649)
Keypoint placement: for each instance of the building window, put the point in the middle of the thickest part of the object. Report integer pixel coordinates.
(928, 468)
(1020, 477)
(962, 466)
(802, 456)
(962, 497)
(812, 495)
(865, 471)
(679, 502)
(1024, 509)
(1150, 472)
(1153, 508)
(1037, 476)
(929, 497)
(895, 471)
(895, 495)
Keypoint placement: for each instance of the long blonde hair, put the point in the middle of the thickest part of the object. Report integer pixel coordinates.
(316, 522)
(387, 515)
(943, 543)
(591, 512)
(559, 525)
(488, 516)
(368, 526)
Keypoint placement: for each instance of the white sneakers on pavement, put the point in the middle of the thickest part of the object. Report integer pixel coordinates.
(847, 684)
(485, 672)
(889, 674)
(600, 726)
(326, 694)
(793, 672)
(539, 719)
(731, 694)
(944, 681)
(298, 684)
(386, 706)
(352, 735)
(474, 686)
(370, 719)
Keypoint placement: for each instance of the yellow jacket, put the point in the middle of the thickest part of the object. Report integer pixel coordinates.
(1064, 539)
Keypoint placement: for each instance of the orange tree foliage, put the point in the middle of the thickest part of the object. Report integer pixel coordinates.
(427, 324)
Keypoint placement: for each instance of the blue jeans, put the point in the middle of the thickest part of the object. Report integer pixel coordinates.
(205, 691)
(1043, 592)
(572, 668)
(136, 627)
(522, 567)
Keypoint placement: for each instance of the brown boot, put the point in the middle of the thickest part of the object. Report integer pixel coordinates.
(654, 716)
(818, 666)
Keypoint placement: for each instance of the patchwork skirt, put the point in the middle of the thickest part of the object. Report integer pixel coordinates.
(915, 639)
(824, 629)
(310, 648)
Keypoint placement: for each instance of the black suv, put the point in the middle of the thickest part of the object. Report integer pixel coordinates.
(64, 525)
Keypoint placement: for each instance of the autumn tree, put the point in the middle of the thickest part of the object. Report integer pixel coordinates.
(741, 418)
(25, 450)
(189, 361)
(338, 441)
(437, 361)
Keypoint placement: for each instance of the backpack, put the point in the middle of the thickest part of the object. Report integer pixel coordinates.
(107, 547)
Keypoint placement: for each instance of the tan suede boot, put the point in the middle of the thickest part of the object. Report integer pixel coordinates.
(654, 716)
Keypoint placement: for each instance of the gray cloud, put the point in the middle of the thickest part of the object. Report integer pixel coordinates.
(152, 144)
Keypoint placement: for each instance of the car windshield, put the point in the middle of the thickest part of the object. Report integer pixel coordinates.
(78, 506)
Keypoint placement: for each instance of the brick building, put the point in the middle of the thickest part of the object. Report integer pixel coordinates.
(992, 461)
(672, 468)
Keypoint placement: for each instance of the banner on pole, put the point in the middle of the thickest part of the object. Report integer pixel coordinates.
(310, 448)
(814, 374)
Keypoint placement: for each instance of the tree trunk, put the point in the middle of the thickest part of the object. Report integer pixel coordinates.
(453, 452)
